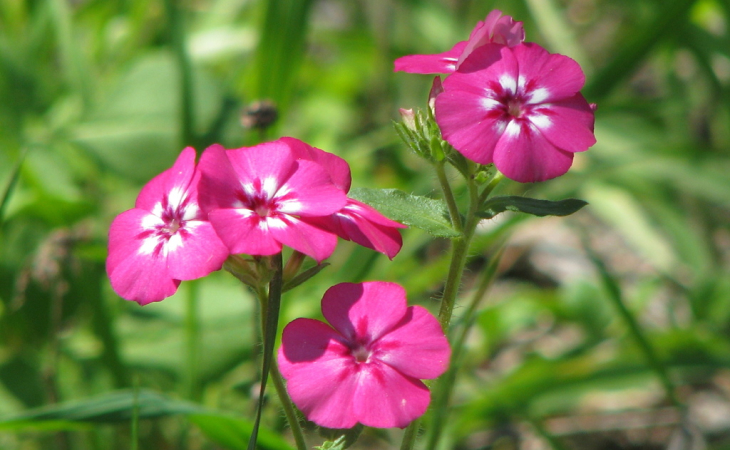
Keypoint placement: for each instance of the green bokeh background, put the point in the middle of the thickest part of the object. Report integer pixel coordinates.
(98, 96)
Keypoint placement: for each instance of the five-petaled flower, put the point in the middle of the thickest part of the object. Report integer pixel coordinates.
(495, 28)
(261, 198)
(165, 238)
(367, 368)
(519, 108)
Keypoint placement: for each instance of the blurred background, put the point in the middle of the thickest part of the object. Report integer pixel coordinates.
(98, 96)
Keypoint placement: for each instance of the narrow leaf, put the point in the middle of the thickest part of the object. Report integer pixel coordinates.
(413, 210)
(116, 406)
(302, 277)
(527, 205)
(11, 183)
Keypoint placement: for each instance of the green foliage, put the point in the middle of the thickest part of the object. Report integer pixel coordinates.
(233, 433)
(534, 206)
(417, 211)
(92, 105)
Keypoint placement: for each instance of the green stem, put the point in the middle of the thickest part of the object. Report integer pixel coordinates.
(176, 20)
(409, 437)
(289, 410)
(496, 179)
(449, 196)
(459, 253)
(270, 302)
(192, 341)
(459, 250)
(445, 385)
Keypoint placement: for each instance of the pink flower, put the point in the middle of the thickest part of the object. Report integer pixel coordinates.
(495, 29)
(519, 108)
(165, 238)
(356, 221)
(364, 225)
(367, 368)
(261, 198)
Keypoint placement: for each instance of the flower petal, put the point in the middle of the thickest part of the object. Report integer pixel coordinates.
(386, 398)
(495, 29)
(357, 227)
(178, 179)
(311, 191)
(137, 261)
(270, 162)
(417, 347)
(467, 112)
(552, 76)
(523, 154)
(200, 253)
(467, 125)
(219, 183)
(363, 312)
(435, 63)
(569, 124)
(336, 167)
(303, 237)
(320, 373)
(243, 233)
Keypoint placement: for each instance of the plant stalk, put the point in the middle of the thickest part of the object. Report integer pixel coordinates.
(176, 21)
(270, 302)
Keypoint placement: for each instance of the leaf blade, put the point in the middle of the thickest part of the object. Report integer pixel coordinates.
(534, 206)
(416, 211)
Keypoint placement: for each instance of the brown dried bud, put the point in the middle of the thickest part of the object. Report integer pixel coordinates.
(260, 115)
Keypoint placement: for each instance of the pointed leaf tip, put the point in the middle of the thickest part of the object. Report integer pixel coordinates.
(416, 211)
(527, 205)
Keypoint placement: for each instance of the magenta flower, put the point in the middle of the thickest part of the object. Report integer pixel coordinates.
(367, 368)
(165, 238)
(495, 29)
(364, 225)
(356, 221)
(261, 198)
(519, 108)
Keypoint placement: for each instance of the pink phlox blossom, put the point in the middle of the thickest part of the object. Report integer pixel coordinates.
(165, 238)
(519, 108)
(262, 197)
(495, 29)
(356, 221)
(367, 366)
(364, 225)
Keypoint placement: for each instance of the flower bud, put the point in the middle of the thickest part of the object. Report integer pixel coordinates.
(409, 118)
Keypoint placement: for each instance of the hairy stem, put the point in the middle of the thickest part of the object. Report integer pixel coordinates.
(270, 302)
(445, 385)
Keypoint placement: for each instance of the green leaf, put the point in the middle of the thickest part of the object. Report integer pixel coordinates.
(233, 432)
(533, 206)
(112, 407)
(12, 183)
(302, 277)
(281, 48)
(338, 444)
(338, 439)
(413, 210)
(636, 45)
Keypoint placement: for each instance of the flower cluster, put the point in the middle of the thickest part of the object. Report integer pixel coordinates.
(254, 200)
(368, 365)
(509, 103)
